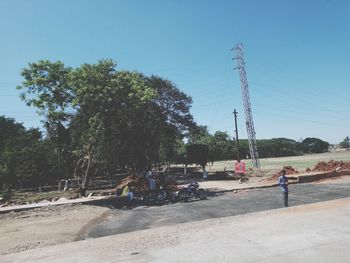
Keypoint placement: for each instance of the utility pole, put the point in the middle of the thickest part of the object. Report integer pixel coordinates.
(236, 131)
(238, 49)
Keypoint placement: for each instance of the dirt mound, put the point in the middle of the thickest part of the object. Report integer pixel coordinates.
(331, 166)
(141, 184)
(288, 169)
(132, 180)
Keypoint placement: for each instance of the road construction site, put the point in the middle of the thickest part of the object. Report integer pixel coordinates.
(63, 230)
(147, 234)
(317, 232)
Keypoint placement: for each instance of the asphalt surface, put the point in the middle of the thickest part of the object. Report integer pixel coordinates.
(219, 204)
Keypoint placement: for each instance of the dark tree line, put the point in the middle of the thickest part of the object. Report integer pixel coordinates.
(222, 147)
(26, 159)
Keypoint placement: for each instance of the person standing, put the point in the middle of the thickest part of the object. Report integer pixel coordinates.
(152, 183)
(283, 183)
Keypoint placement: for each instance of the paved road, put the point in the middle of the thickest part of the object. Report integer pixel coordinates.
(218, 205)
(310, 233)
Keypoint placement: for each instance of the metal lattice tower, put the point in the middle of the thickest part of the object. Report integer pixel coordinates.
(238, 49)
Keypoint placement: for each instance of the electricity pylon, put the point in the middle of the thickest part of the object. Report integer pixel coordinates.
(254, 155)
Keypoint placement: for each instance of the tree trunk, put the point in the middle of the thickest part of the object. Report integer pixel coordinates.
(85, 178)
(59, 161)
(205, 174)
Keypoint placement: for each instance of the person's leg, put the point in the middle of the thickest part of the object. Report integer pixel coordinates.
(285, 195)
(130, 198)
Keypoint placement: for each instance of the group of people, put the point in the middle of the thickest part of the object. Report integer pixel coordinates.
(125, 194)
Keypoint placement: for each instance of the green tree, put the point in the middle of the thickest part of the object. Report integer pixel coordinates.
(46, 87)
(142, 118)
(11, 141)
(31, 166)
(278, 147)
(223, 147)
(108, 119)
(345, 143)
(198, 134)
(171, 110)
(24, 155)
(108, 104)
(314, 145)
(198, 154)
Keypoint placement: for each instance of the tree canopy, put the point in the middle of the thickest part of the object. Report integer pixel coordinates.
(24, 155)
(345, 143)
(314, 145)
(114, 119)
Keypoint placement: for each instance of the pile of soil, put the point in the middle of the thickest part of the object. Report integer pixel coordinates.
(331, 166)
(132, 180)
(141, 184)
(288, 169)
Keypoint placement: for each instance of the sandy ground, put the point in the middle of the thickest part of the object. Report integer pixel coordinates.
(47, 226)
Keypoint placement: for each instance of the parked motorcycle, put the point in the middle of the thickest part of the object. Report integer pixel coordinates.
(155, 197)
(192, 191)
(172, 196)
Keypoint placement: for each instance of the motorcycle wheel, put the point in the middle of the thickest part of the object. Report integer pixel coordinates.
(160, 196)
(202, 194)
(183, 197)
(171, 197)
(147, 199)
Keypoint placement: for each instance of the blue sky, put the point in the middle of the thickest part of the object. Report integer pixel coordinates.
(297, 55)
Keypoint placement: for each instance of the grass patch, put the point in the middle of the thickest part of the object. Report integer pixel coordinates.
(272, 165)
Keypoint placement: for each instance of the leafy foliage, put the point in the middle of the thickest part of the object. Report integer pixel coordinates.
(46, 87)
(197, 153)
(108, 119)
(279, 147)
(31, 166)
(314, 145)
(24, 156)
(345, 143)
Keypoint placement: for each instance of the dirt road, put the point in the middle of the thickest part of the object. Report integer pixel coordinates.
(46, 226)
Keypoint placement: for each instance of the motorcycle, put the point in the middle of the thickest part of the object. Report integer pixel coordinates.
(155, 197)
(192, 191)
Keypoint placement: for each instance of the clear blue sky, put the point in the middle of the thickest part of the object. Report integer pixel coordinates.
(297, 55)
